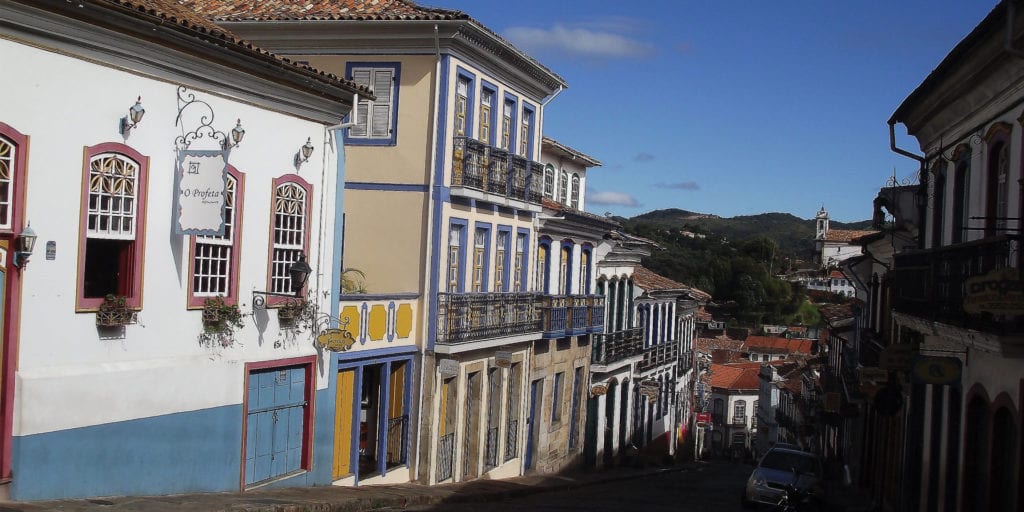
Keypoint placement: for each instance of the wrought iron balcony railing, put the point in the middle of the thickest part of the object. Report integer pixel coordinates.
(934, 284)
(613, 347)
(572, 315)
(398, 432)
(465, 317)
(661, 354)
(739, 419)
(445, 456)
(495, 171)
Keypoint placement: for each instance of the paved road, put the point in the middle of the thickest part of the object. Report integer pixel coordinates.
(714, 486)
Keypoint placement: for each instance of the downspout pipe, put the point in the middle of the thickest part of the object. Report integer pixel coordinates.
(901, 151)
(427, 275)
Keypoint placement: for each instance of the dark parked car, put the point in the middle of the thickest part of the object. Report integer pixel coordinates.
(778, 469)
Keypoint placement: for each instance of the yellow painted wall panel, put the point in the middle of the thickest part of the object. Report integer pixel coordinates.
(378, 324)
(403, 321)
(344, 401)
(350, 314)
(385, 238)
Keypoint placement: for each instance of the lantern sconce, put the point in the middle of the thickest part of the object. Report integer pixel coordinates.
(133, 118)
(26, 244)
(304, 152)
(298, 273)
(237, 134)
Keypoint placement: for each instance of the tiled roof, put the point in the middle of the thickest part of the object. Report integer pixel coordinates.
(792, 385)
(736, 376)
(308, 10)
(648, 280)
(772, 344)
(835, 274)
(173, 14)
(706, 345)
(551, 204)
(554, 145)
(833, 312)
(358, 10)
(845, 235)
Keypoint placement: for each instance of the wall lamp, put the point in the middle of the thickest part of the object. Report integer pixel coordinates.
(26, 244)
(237, 134)
(304, 152)
(133, 118)
(298, 273)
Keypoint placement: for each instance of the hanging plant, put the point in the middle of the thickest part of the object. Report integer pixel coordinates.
(294, 312)
(113, 312)
(220, 320)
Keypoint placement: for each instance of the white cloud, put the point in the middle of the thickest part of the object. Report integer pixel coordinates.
(612, 198)
(578, 42)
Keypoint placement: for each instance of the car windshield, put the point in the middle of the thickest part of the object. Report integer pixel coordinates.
(788, 461)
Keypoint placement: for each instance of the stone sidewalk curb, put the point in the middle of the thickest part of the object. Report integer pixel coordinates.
(347, 499)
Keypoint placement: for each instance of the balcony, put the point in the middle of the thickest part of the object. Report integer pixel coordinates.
(739, 419)
(685, 362)
(658, 355)
(468, 317)
(616, 347)
(493, 174)
(937, 285)
(572, 315)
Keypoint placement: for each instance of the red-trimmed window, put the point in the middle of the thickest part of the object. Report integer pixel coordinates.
(13, 145)
(215, 258)
(290, 235)
(112, 228)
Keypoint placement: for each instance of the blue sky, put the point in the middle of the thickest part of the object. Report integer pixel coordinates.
(733, 107)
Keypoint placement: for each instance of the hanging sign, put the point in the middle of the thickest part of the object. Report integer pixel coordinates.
(999, 292)
(503, 359)
(448, 367)
(200, 190)
(335, 340)
(598, 389)
(938, 371)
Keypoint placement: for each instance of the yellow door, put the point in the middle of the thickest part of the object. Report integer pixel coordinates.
(397, 386)
(344, 401)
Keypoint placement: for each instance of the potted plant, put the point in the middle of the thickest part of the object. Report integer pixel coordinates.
(293, 310)
(219, 316)
(113, 311)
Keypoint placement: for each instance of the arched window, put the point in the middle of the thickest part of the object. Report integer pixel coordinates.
(961, 194)
(739, 412)
(215, 258)
(563, 188)
(112, 227)
(574, 203)
(999, 172)
(549, 181)
(565, 269)
(541, 279)
(938, 202)
(291, 231)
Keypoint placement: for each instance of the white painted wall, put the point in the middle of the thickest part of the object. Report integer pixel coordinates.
(158, 367)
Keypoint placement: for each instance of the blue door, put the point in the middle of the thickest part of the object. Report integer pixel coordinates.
(531, 429)
(275, 423)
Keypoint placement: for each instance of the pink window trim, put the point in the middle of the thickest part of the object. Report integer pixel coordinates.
(20, 141)
(135, 297)
(12, 306)
(287, 178)
(236, 247)
(307, 432)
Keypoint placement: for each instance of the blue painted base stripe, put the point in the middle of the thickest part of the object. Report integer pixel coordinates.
(196, 451)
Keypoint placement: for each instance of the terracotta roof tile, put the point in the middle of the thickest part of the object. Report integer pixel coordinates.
(257, 10)
(707, 345)
(648, 280)
(736, 376)
(845, 235)
(174, 13)
(772, 344)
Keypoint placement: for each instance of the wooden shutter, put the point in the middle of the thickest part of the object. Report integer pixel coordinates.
(380, 111)
(361, 76)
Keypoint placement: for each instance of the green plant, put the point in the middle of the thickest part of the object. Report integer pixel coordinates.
(219, 316)
(294, 312)
(113, 311)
